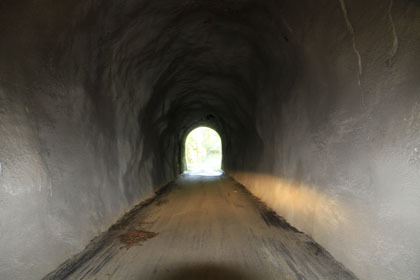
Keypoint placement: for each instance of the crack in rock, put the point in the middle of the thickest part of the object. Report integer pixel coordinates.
(395, 43)
(351, 31)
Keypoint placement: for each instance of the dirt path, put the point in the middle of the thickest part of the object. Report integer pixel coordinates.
(202, 228)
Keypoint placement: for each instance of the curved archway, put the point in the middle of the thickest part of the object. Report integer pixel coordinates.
(203, 150)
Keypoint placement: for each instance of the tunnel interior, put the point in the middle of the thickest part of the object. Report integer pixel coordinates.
(316, 104)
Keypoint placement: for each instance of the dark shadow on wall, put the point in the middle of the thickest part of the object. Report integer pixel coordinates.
(208, 272)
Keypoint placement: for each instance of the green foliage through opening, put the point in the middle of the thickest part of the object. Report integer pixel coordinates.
(203, 150)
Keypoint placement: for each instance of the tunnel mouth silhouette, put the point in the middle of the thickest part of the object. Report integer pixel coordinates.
(203, 152)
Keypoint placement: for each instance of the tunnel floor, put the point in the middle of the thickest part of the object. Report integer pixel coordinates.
(202, 228)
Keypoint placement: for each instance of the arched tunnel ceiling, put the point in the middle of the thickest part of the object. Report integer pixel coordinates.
(320, 97)
(202, 58)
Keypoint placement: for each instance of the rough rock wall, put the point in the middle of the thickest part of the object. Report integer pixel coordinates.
(72, 152)
(316, 103)
(95, 100)
(341, 156)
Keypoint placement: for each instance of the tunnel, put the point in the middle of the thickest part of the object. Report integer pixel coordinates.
(317, 104)
(203, 151)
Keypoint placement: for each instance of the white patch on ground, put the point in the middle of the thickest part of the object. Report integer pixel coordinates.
(271, 258)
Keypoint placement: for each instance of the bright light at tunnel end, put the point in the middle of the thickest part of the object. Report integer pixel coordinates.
(208, 173)
(203, 153)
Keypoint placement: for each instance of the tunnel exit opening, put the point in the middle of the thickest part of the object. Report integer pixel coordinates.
(203, 152)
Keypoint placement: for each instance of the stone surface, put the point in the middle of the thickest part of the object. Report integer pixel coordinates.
(341, 155)
(316, 102)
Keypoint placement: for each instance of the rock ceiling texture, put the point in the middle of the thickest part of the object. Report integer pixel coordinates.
(314, 98)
